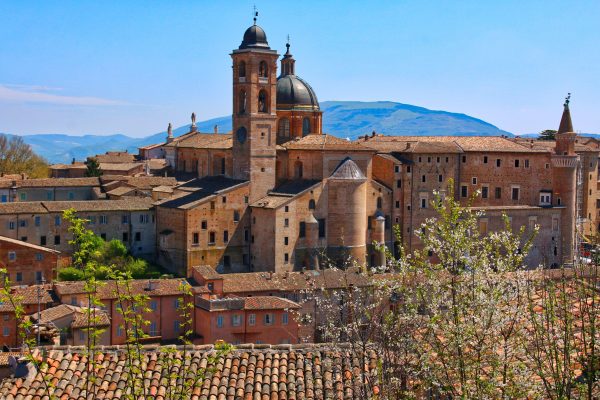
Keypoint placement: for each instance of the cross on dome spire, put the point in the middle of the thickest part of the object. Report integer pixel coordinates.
(255, 14)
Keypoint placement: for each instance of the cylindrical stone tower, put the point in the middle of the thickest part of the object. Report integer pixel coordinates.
(347, 201)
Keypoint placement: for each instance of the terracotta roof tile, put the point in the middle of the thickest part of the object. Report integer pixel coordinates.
(28, 295)
(451, 144)
(129, 204)
(29, 245)
(248, 372)
(198, 140)
(97, 317)
(325, 142)
(58, 182)
(268, 303)
(108, 289)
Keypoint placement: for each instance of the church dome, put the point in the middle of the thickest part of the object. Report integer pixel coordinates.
(293, 93)
(255, 38)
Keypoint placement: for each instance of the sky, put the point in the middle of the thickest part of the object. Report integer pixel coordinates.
(131, 67)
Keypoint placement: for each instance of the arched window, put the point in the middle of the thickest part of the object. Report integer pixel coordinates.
(242, 102)
(311, 204)
(284, 127)
(263, 102)
(305, 126)
(298, 170)
(242, 69)
(379, 203)
(263, 70)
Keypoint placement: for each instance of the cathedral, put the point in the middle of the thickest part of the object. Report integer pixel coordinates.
(278, 194)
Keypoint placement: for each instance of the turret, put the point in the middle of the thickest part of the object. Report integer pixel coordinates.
(564, 171)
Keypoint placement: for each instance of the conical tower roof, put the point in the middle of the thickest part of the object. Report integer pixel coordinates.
(566, 125)
(348, 170)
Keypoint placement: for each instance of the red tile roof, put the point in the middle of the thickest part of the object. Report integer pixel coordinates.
(248, 372)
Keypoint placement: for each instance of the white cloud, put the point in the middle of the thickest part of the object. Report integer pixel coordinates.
(40, 94)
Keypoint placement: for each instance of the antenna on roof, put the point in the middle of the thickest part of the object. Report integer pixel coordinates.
(567, 100)
(255, 14)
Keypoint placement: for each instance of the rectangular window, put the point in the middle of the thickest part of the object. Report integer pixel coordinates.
(176, 327)
(515, 193)
(224, 199)
(397, 204)
(287, 208)
(252, 319)
(212, 205)
(526, 163)
(423, 178)
(39, 276)
(153, 329)
(225, 236)
(236, 216)
(236, 320)
(23, 196)
(463, 191)
(485, 192)
(195, 238)
(11, 225)
(22, 223)
(517, 163)
(48, 195)
(440, 178)
(408, 169)
(176, 303)
(144, 218)
(37, 220)
(138, 236)
(211, 238)
(474, 180)
(57, 239)
(485, 159)
(153, 305)
(302, 229)
(219, 321)
(103, 236)
(286, 222)
(12, 256)
(269, 319)
(399, 183)
(39, 256)
(23, 238)
(423, 203)
(498, 162)
(119, 330)
(19, 277)
(286, 258)
(204, 224)
(498, 193)
(103, 219)
(6, 331)
(246, 235)
(284, 318)
(124, 219)
(92, 219)
(42, 240)
(4, 198)
(125, 237)
(286, 241)
(464, 159)
(71, 196)
(245, 199)
(322, 227)
(396, 168)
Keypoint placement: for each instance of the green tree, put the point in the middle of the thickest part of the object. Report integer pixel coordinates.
(17, 157)
(548, 134)
(93, 167)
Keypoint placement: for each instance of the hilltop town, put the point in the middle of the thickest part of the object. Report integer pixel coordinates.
(249, 230)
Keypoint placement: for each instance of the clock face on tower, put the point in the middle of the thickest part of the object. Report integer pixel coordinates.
(241, 134)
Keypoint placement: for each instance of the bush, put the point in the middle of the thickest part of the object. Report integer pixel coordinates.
(70, 274)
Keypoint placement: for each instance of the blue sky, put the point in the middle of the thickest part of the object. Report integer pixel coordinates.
(131, 67)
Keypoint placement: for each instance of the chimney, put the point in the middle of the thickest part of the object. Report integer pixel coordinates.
(151, 285)
(216, 128)
(73, 161)
(373, 134)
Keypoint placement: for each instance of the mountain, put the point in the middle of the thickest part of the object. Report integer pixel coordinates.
(347, 119)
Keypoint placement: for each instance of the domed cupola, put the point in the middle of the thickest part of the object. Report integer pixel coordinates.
(255, 38)
(294, 93)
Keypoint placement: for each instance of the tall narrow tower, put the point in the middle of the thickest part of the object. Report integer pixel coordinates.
(254, 112)
(564, 163)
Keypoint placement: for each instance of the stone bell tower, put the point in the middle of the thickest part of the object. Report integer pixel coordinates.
(254, 112)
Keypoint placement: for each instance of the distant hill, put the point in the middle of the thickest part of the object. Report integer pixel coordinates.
(346, 119)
